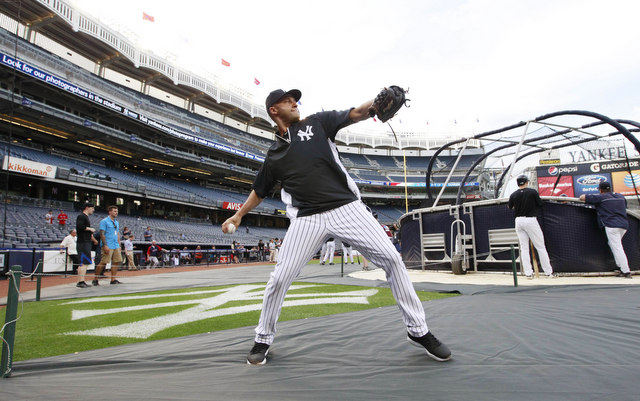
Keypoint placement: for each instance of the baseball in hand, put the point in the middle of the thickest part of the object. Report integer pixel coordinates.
(231, 228)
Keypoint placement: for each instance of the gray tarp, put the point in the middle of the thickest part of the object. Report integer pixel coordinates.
(542, 343)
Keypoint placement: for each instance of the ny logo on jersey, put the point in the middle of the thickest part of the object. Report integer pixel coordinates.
(305, 135)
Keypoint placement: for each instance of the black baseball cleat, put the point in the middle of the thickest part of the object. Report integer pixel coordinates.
(435, 349)
(625, 275)
(82, 284)
(115, 282)
(258, 354)
(95, 282)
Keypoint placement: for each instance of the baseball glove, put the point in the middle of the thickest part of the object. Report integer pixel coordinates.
(388, 102)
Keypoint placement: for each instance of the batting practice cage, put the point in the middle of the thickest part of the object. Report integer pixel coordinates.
(480, 234)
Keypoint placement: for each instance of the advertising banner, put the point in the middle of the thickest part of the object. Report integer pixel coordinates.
(625, 183)
(588, 184)
(231, 205)
(563, 185)
(29, 167)
(118, 108)
(583, 179)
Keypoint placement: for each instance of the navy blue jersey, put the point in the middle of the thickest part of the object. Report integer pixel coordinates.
(305, 162)
(611, 208)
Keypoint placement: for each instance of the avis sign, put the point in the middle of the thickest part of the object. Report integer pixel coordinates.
(231, 205)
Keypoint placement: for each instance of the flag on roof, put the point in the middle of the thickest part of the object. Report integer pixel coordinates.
(225, 63)
(255, 81)
(147, 17)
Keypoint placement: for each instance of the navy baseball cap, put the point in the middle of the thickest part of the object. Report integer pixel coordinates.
(604, 185)
(276, 95)
(521, 180)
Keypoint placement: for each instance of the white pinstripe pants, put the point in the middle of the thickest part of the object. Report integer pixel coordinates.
(354, 224)
(614, 235)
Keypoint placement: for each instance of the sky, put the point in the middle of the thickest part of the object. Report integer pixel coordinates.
(470, 65)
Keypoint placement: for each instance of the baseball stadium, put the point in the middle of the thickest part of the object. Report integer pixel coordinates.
(89, 119)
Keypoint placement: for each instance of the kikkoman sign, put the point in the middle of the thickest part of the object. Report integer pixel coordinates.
(29, 167)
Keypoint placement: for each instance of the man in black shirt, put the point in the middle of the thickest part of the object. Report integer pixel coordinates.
(322, 201)
(525, 202)
(85, 233)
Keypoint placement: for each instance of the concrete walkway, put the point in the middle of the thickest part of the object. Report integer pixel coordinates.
(498, 278)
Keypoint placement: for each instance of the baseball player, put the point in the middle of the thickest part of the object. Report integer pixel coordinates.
(347, 252)
(331, 249)
(322, 201)
(525, 202)
(611, 208)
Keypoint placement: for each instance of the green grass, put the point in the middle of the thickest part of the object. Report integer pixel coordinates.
(40, 332)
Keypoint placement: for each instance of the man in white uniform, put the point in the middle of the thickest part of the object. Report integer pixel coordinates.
(525, 202)
(331, 249)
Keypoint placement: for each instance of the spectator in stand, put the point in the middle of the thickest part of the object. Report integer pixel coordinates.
(185, 256)
(197, 255)
(69, 242)
(128, 251)
(147, 234)
(272, 250)
(278, 245)
(110, 238)
(62, 220)
(213, 255)
(175, 257)
(260, 251)
(152, 254)
(396, 236)
(240, 253)
(126, 232)
(48, 218)
(234, 252)
(384, 226)
(83, 245)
